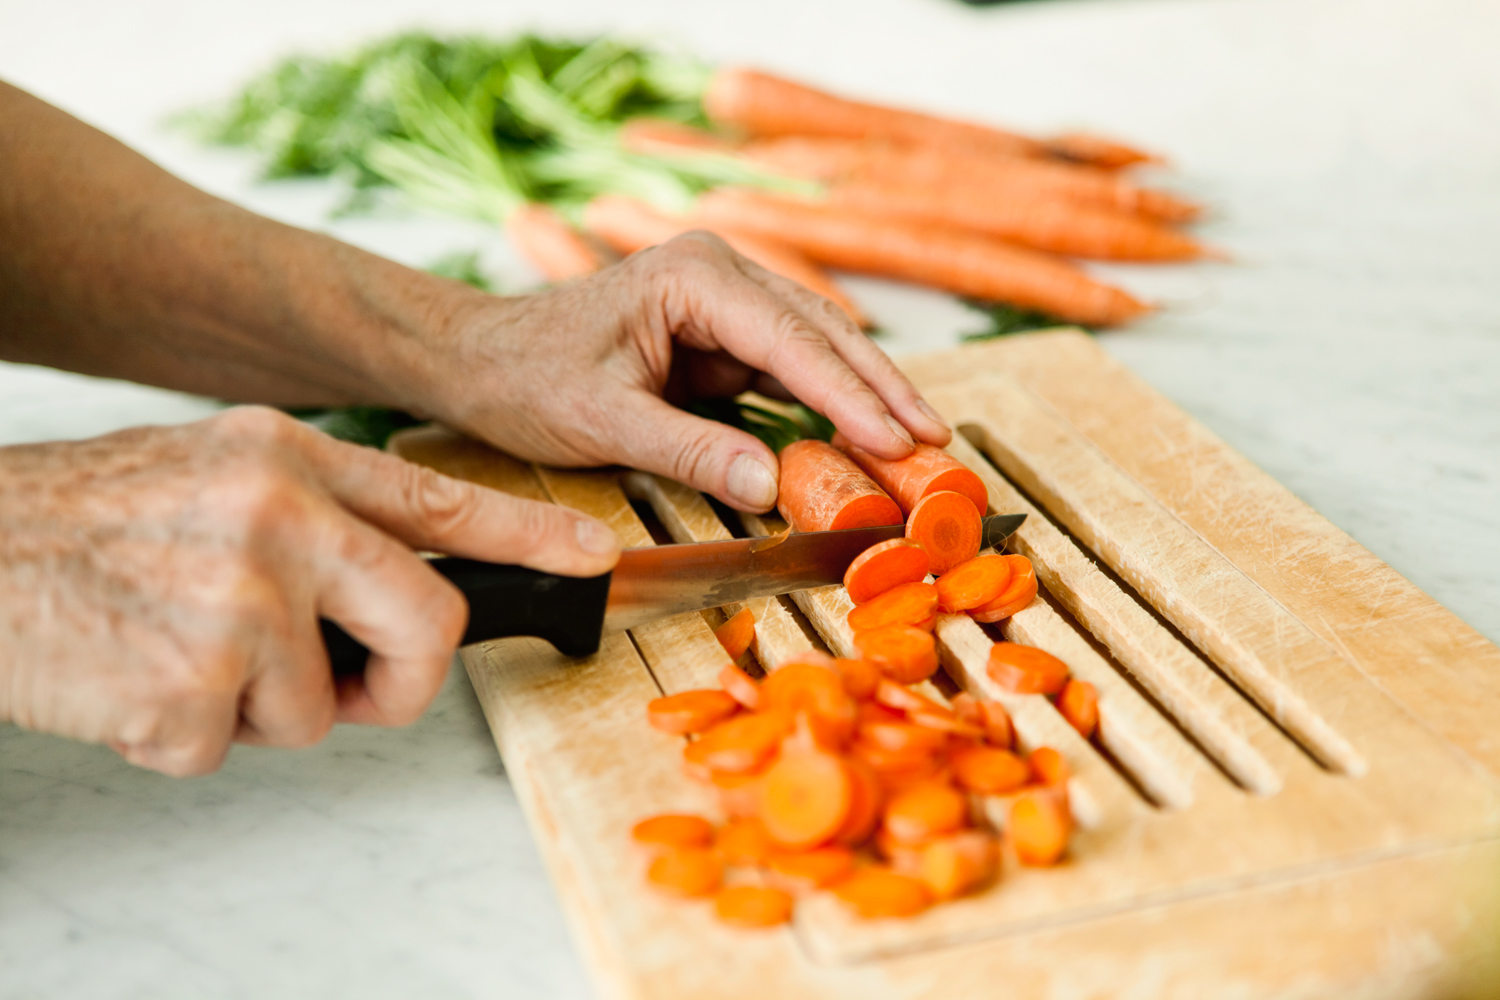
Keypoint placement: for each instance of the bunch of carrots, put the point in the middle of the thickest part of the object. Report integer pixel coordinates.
(856, 775)
(964, 208)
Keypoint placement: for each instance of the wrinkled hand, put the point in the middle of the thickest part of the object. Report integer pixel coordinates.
(587, 373)
(160, 588)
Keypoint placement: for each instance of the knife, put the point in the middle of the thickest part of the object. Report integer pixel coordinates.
(574, 613)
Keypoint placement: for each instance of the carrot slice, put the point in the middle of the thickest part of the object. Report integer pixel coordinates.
(874, 711)
(989, 771)
(805, 799)
(906, 604)
(865, 799)
(737, 633)
(823, 490)
(948, 526)
(740, 686)
(814, 690)
(859, 676)
(902, 653)
(926, 470)
(1026, 669)
(879, 892)
(739, 794)
(945, 721)
(1038, 828)
(1016, 596)
(902, 698)
(753, 906)
(959, 863)
(883, 566)
(803, 871)
(1048, 767)
(690, 711)
(1079, 704)
(903, 736)
(974, 583)
(741, 744)
(743, 842)
(686, 871)
(926, 811)
(673, 830)
(990, 716)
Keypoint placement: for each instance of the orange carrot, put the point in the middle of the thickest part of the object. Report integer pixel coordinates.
(989, 716)
(902, 653)
(657, 137)
(1038, 828)
(946, 722)
(865, 801)
(823, 490)
(859, 676)
(739, 794)
(737, 633)
(740, 686)
(925, 471)
(673, 830)
(958, 863)
(974, 583)
(879, 892)
(740, 745)
(690, 711)
(989, 771)
(753, 906)
(803, 871)
(908, 604)
(948, 526)
(1048, 767)
(954, 260)
(1018, 594)
(686, 871)
(883, 566)
(926, 811)
(809, 688)
(1079, 704)
(552, 246)
(805, 798)
(898, 696)
(903, 736)
(1096, 150)
(1026, 669)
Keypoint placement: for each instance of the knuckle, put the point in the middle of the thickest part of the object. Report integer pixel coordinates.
(255, 424)
(442, 504)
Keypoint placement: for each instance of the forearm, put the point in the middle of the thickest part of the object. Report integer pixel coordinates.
(111, 266)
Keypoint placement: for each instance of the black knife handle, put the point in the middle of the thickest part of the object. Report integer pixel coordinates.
(567, 611)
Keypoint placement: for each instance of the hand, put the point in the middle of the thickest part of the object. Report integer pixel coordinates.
(161, 587)
(586, 373)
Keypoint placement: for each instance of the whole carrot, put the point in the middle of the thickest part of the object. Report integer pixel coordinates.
(552, 246)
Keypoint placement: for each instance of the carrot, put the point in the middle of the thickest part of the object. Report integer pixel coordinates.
(1100, 152)
(865, 801)
(925, 471)
(958, 863)
(737, 633)
(1026, 669)
(673, 830)
(902, 698)
(879, 892)
(945, 721)
(954, 260)
(989, 771)
(753, 906)
(902, 653)
(1048, 767)
(859, 677)
(803, 871)
(926, 811)
(974, 583)
(686, 871)
(874, 711)
(628, 225)
(902, 736)
(739, 794)
(882, 759)
(948, 526)
(741, 744)
(807, 688)
(552, 246)
(762, 104)
(740, 686)
(657, 136)
(690, 711)
(1018, 594)
(805, 798)
(989, 716)
(1079, 704)
(1038, 828)
(908, 604)
(743, 842)
(823, 490)
(883, 566)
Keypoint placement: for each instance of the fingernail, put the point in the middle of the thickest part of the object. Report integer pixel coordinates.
(932, 414)
(595, 539)
(899, 431)
(751, 483)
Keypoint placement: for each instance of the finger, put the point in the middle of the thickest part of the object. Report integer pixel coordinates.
(290, 701)
(186, 734)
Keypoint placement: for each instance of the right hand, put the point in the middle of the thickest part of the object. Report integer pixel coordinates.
(160, 588)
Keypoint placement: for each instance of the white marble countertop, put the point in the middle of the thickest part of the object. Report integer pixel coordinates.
(1353, 351)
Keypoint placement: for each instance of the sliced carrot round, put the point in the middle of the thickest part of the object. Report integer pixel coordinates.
(906, 604)
(859, 676)
(926, 811)
(805, 799)
(690, 711)
(740, 686)
(974, 583)
(741, 744)
(989, 771)
(1026, 669)
(802, 687)
(1038, 828)
(876, 892)
(803, 871)
(1079, 704)
(686, 871)
(883, 566)
(753, 906)
(948, 526)
(946, 721)
(743, 842)
(865, 800)
(1018, 594)
(1048, 767)
(739, 794)
(737, 633)
(823, 490)
(959, 863)
(902, 653)
(902, 736)
(673, 830)
(898, 696)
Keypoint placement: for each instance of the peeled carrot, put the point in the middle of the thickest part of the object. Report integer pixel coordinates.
(879, 892)
(1017, 596)
(753, 906)
(926, 811)
(1079, 704)
(1048, 767)
(737, 633)
(690, 711)
(859, 676)
(808, 688)
(552, 246)
(866, 797)
(823, 490)
(803, 871)
(974, 583)
(741, 744)
(883, 566)
(1038, 828)
(989, 771)
(903, 736)
(958, 261)
(673, 830)
(958, 863)
(686, 871)
(896, 695)
(739, 794)
(805, 799)
(902, 653)
(907, 604)
(925, 471)
(1026, 669)
(989, 716)
(947, 525)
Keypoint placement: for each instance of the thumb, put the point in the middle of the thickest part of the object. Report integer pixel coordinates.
(718, 459)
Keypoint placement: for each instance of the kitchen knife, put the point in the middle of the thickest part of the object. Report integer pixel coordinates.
(573, 613)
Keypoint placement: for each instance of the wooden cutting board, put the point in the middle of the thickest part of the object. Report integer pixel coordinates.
(1295, 790)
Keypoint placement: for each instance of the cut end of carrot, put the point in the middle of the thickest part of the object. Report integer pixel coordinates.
(867, 512)
(974, 583)
(688, 872)
(1026, 669)
(753, 906)
(883, 567)
(1017, 596)
(989, 771)
(690, 711)
(805, 799)
(965, 483)
(673, 830)
(903, 653)
(906, 604)
(927, 811)
(947, 525)
(876, 892)
(1038, 828)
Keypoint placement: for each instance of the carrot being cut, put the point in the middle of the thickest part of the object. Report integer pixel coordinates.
(673, 830)
(903, 653)
(948, 526)
(1038, 828)
(823, 490)
(974, 583)
(737, 633)
(1017, 596)
(883, 566)
(954, 260)
(805, 799)
(753, 906)
(907, 604)
(740, 686)
(803, 871)
(1079, 704)
(552, 246)
(876, 892)
(925, 471)
(1026, 669)
(926, 811)
(686, 871)
(989, 771)
(958, 863)
(690, 711)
